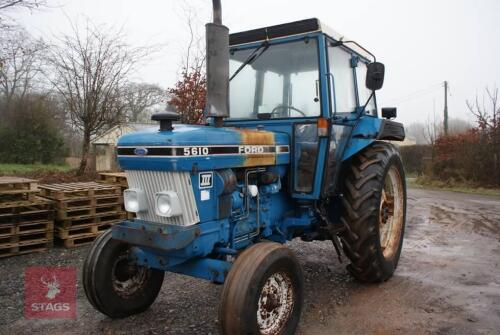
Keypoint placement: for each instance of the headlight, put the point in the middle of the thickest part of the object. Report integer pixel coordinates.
(134, 200)
(168, 204)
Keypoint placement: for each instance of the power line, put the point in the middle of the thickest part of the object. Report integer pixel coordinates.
(416, 94)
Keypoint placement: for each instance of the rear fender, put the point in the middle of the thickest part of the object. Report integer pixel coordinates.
(368, 130)
(364, 133)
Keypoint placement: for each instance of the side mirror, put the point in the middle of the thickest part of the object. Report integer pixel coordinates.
(389, 112)
(375, 76)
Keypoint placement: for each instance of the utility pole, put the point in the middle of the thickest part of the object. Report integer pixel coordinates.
(445, 108)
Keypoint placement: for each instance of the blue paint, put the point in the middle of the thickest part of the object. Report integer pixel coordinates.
(364, 133)
(176, 241)
(186, 135)
(214, 270)
(181, 135)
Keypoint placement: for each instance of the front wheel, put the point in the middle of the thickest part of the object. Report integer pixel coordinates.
(114, 285)
(374, 212)
(263, 292)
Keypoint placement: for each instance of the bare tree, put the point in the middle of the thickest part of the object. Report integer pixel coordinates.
(187, 96)
(194, 56)
(433, 129)
(139, 97)
(7, 6)
(21, 60)
(29, 4)
(90, 68)
(488, 118)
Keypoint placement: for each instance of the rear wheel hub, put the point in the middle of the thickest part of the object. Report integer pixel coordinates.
(391, 213)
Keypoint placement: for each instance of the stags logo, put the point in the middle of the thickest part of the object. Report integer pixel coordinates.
(50, 292)
(52, 287)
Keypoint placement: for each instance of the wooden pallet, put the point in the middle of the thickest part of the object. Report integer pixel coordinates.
(31, 237)
(82, 231)
(25, 206)
(86, 202)
(74, 242)
(7, 250)
(34, 227)
(17, 189)
(97, 219)
(25, 248)
(26, 228)
(18, 239)
(78, 213)
(7, 230)
(27, 211)
(114, 178)
(78, 190)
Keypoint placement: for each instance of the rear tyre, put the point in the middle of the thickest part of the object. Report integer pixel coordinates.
(263, 292)
(374, 212)
(114, 285)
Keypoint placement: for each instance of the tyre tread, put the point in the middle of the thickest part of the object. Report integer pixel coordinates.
(360, 203)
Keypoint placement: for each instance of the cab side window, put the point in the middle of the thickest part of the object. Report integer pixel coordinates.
(339, 61)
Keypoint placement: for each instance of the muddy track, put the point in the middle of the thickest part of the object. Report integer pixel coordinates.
(448, 282)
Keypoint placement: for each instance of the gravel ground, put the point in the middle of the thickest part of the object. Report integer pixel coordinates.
(447, 282)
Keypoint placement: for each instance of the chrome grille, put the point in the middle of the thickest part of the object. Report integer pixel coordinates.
(152, 182)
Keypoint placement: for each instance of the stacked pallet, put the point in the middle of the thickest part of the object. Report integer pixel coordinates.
(114, 178)
(84, 210)
(117, 179)
(26, 220)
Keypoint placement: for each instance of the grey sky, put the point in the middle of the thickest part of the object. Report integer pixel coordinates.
(421, 42)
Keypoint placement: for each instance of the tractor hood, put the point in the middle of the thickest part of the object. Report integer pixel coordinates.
(193, 148)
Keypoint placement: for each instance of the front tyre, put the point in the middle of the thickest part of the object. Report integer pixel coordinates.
(263, 292)
(374, 212)
(114, 285)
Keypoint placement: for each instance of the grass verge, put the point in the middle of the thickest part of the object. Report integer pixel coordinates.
(30, 168)
(427, 183)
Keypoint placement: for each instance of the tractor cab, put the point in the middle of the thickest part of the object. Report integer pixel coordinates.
(301, 79)
(292, 71)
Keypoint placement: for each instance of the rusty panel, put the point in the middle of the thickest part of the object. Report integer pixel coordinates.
(258, 160)
(258, 137)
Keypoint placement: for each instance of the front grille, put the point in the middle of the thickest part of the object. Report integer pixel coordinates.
(152, 182)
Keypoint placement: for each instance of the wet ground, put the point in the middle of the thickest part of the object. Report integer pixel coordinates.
(447, 282)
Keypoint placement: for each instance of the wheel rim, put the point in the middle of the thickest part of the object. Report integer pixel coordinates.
(275, 304)
(127, 277)
(391, 213)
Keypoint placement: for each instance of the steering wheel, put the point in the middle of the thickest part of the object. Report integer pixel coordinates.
(287, 107)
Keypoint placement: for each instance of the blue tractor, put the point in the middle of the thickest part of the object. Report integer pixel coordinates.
(302, 154)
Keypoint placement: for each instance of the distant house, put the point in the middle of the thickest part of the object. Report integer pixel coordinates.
(104, 146)
(407, 142)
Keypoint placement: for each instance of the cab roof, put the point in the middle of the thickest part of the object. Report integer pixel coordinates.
(289, 29)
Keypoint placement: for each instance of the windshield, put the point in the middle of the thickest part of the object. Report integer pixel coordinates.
(282, 82)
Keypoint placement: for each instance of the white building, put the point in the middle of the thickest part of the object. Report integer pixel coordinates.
(104, 146)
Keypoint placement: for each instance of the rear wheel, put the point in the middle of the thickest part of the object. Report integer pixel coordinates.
(114, 284)
(374, 212)
(263, 292)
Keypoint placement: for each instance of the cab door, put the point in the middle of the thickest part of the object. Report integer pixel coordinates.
(309, 150)
(348, 95)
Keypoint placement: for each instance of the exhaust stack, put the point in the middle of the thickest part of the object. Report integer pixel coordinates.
(217, 39)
